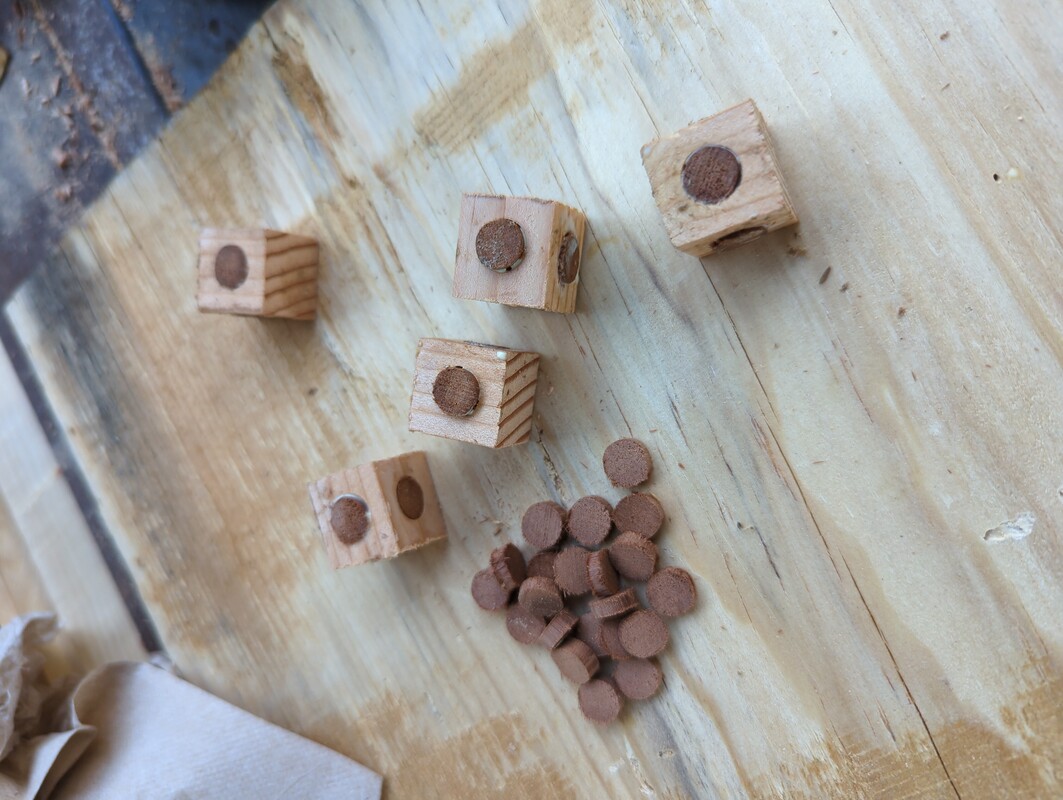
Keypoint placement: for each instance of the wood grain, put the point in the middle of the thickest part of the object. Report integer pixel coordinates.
(508, 382)
(759, 205)
(391, 532)
(281, 275)
(535, 283)
(837, 414)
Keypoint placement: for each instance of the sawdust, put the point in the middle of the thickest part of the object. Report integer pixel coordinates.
(493, 85)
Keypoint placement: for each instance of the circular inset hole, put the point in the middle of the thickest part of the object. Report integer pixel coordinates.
(568, 259)
(350, 518)
(410, 496)
(500, 245)
(711, 174)
(738, 238)
(230, 267)
(456, 391)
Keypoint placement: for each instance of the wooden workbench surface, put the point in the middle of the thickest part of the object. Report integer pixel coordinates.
(838, 413)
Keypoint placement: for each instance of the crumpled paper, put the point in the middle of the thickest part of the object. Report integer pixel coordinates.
(137, 731)
(21, 661)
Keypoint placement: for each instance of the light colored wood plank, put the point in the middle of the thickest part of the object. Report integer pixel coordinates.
(507, 378)
(48, 558)
(21, 589)
(536, 282)
(830, 446)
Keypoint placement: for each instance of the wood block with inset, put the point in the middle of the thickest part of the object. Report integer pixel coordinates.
(257, 272)
(717, 182)
(378, 510)
(519, 251)
(472, 392)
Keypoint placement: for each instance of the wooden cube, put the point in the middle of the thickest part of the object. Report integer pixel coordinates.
(257, 272)
(473, 392)
(377, 510)
(717, 182)
(519, 251)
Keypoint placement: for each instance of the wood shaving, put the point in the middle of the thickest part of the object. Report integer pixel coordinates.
(1018, 528)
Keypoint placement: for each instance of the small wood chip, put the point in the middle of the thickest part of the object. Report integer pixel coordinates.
(524, 626)
(558, 629)
(541, 565)
(671, 592)
(570, 571)
(488, 592)
(638, 678)
(589, 630)
(602, 576)
(634, 556)
(609, 640)
(589, 520)
(507, 563)
(641, 513)
(627, 463)
(616, 605)
(600, 701)
(540, 596)
(543, 525)
(576, 660)
(644, 634)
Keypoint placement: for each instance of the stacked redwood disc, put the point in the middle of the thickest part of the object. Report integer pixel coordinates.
(579, 593)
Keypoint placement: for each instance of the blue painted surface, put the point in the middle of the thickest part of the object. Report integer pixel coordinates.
(90, 82)
(190, 38)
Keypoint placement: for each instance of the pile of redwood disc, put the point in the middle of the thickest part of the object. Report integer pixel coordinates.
(580, 594)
